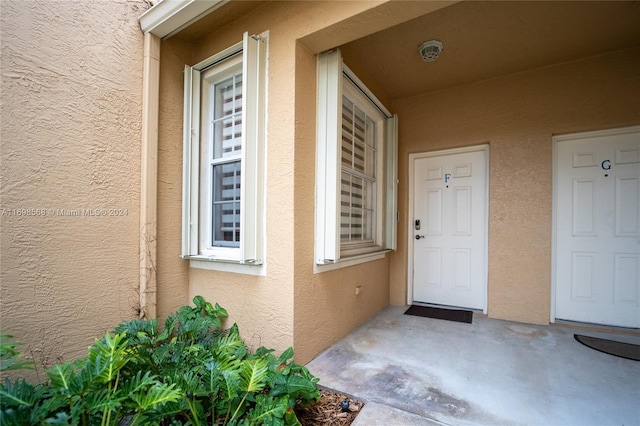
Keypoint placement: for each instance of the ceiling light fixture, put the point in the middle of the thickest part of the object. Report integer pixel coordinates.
(430, 50)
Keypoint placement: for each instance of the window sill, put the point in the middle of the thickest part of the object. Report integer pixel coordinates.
(350, 261)
(227, 265)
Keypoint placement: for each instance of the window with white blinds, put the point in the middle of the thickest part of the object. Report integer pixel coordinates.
(223, 185)
(356, 178)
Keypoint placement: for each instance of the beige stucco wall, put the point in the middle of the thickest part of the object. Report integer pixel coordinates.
(264, 306)
(71, 113)
(172, 284)
(326, 304)
(290, 305)
(517, 115)
(70, 129)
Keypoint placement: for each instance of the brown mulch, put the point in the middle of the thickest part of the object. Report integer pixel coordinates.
(328, 410)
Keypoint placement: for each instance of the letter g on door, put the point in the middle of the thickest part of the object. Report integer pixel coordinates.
(606, 165)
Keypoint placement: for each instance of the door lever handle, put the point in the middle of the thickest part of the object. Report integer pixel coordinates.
(419, 236)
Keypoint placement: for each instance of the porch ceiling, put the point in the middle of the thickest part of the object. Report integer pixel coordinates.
(483, 40)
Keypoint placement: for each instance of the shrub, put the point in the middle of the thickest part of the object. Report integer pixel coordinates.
(193, 372)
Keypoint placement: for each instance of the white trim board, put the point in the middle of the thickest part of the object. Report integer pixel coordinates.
(170, 16)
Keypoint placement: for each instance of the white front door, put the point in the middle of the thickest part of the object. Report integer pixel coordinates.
(448, 228)
(597, 227)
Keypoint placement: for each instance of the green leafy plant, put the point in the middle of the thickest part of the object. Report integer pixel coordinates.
(191, 372)
(90, 391)
(10, 357)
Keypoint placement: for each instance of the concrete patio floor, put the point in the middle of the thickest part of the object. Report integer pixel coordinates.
(414, 371)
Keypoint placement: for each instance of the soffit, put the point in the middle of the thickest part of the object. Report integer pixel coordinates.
(222, 16)
(483, 40)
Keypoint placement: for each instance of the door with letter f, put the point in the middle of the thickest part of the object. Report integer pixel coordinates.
(449, 227)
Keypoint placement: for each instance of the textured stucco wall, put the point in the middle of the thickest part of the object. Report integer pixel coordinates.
(517, 115)
(264, 306)
(290, 305)
(326, 304)
(70, 129)
(172, 272)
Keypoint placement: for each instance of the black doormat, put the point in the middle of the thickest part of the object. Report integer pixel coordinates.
(611, 347)
(440, 313)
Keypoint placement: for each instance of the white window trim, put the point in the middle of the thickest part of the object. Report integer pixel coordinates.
(209, 79)
(361, 102)
(328, 166)
(249, 257)
(350, 261)
(167, 17)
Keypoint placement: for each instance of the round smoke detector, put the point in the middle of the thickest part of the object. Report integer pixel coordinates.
(430, 50)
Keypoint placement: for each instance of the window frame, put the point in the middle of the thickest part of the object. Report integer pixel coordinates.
(359, 101)
(329, 252)
(253, 50)
(210, 78)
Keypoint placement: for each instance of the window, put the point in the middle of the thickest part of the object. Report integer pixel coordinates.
(223, 182)
(355, 167)
(358, 169)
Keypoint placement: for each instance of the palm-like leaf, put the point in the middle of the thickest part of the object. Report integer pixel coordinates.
(138, 383)
(253, 375)
(193, 384)
(268, 410)
(190, 373)
(14, 417)
(77, 378)
(227, 349)
(60, 375)
(102, 400)
(10, 357)
(155, 395)
(108, 356)
(231, 383)
(139, 331)
(18, 393)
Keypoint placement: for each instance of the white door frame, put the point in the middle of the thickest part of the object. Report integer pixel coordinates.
(554, 215)
(410, 213)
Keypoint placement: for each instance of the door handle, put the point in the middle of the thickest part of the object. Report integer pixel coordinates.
(419, 236)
